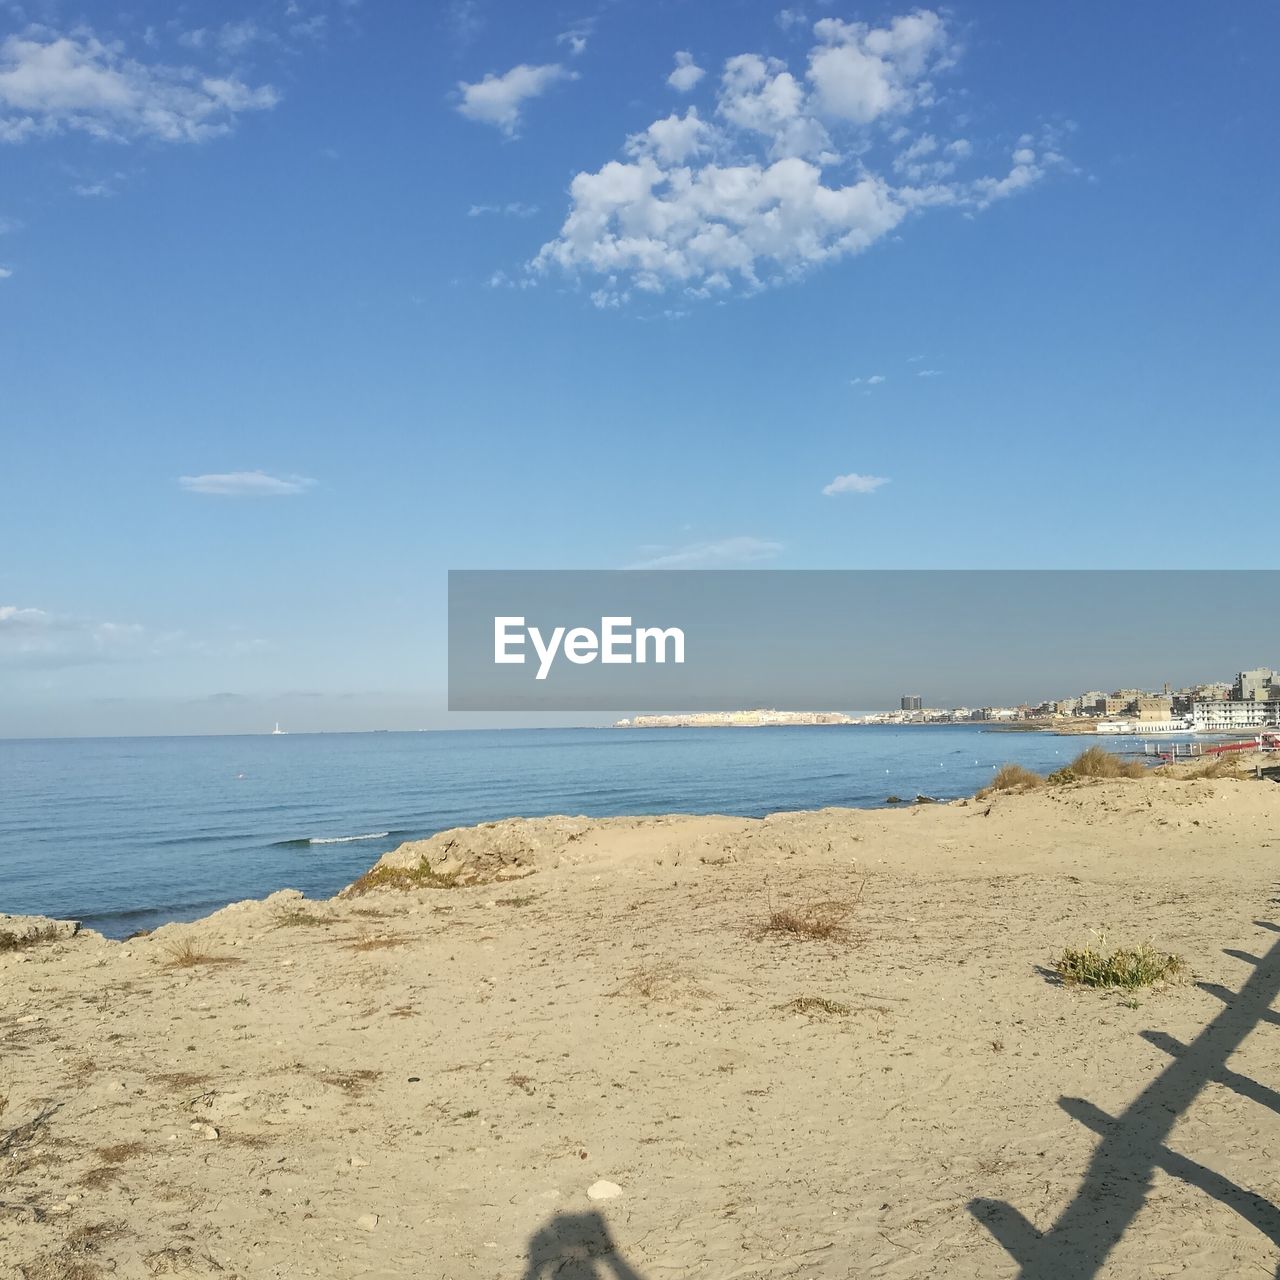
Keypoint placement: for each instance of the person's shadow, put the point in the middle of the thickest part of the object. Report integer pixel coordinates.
(576, 1246)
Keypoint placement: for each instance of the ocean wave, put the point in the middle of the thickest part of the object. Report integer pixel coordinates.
(372, 835)
(303, 842)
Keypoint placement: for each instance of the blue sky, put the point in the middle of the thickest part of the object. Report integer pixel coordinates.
(304, 303)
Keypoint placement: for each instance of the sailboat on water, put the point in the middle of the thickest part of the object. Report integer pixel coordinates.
(278, 730)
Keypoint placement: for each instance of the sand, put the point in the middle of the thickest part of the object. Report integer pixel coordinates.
(589, 1057)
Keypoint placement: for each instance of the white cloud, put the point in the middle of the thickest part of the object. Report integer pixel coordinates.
(687, 73)
(231, 39)
(576, 36)
(94, 190)
(245, 484)
(761, 96)
(36, 638)
(5, 272)
(854, 483)
(674, 140)
(499, 100)
(860, 73)
(724, 554)
(928, 373)
(873, 381)
(50, 83)
(785, 172)
(926, 160)
(788, 18)
(515, 209)
(704, 228)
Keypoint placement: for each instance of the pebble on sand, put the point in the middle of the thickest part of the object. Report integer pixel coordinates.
(603, 1190)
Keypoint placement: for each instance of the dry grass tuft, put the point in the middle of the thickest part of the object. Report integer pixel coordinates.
(83, 1071)
(1096, 763)
(663, 982)
(379, 944)
(523, 1083)
(179, 1260)
(1012, 777)
(187, 954)
(352, 1082)
(820, 921)
(77, 1258)
(1126, 967)
(33, 937)
(119, 1152)
(252, 1141)
(419, 877)
(299, 917)
(817, 1004)
(98, 1178)
(179, 1079)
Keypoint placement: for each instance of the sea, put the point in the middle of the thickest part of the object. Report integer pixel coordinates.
(125, 834)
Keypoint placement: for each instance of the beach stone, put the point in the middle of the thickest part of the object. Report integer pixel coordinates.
(367, 1221)
(205, 1131)
(358, 1163)
(603, 1190)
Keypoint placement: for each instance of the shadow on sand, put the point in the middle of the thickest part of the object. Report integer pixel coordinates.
(576, 1246)
(1134, 1143)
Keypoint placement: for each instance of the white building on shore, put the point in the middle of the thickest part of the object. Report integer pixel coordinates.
(1231, 714)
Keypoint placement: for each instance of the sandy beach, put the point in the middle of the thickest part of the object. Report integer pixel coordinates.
(577, 1048)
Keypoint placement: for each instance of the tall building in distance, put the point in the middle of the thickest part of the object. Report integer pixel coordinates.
(1256, 685)
(912, 702)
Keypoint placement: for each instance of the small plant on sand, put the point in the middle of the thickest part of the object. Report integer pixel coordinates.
(298, 917)
(1095, 763)
(419, 877)
(665, 981)
(1012, 777)
(353, 1082)
(817, 1004)
(188, 954)
(821, 921)
(384, 943)
(11, 941)
(1124, 967)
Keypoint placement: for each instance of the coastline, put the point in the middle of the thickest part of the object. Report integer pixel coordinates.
(435, 1076)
